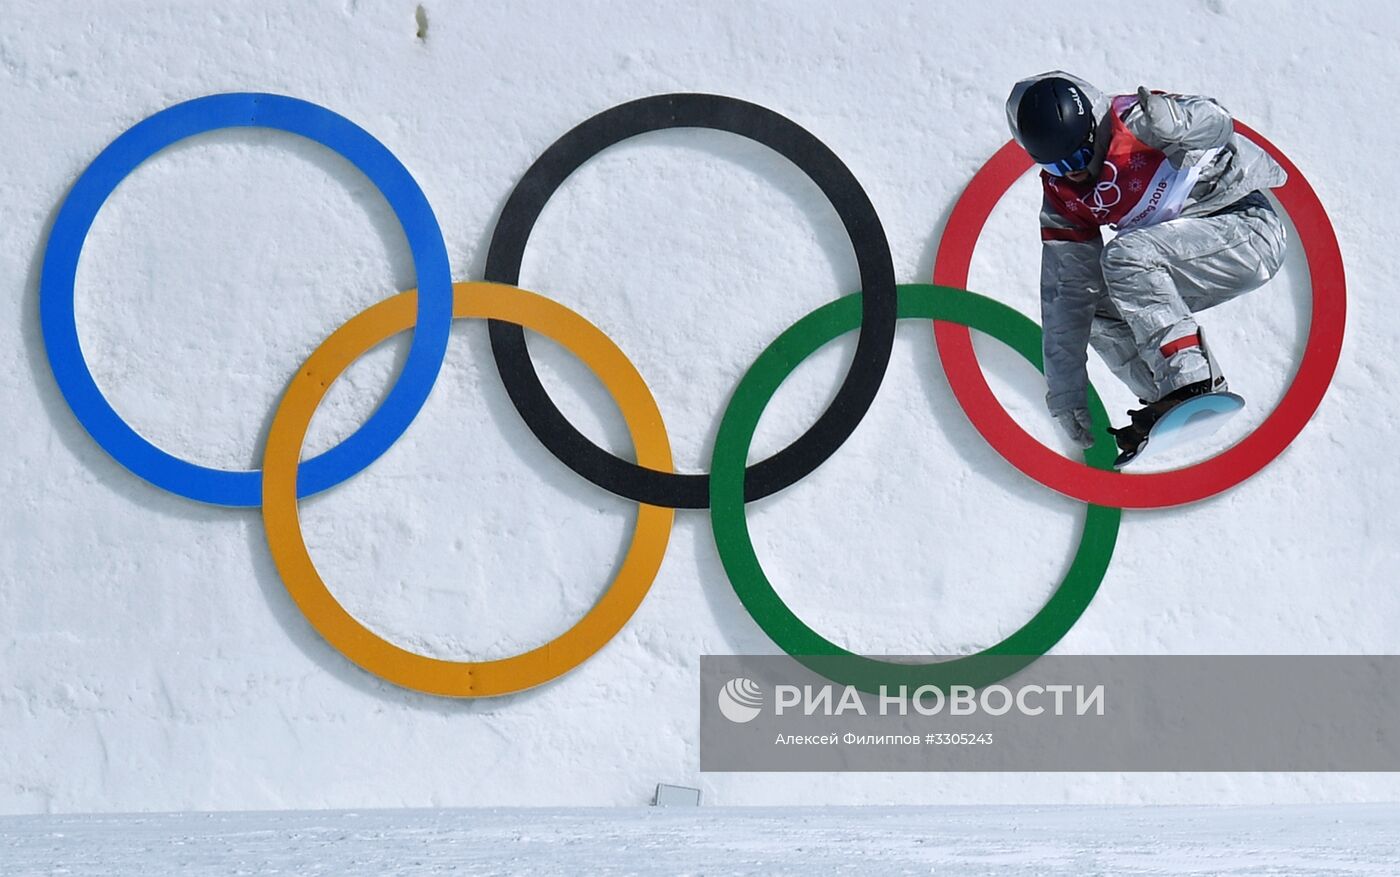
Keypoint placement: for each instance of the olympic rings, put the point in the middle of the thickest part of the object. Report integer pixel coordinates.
(650, 481)
(366, 648)
(813, 158)
(212, 113)
(1189, 484)
(740, 560)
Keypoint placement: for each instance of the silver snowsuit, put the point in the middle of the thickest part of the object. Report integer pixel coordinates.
(1137, 292)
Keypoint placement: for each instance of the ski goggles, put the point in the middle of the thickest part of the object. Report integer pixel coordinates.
(1076, 161)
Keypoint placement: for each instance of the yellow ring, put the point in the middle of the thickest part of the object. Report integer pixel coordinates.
(376, 654)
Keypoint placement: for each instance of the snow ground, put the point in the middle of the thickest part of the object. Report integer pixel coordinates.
(1081, 841)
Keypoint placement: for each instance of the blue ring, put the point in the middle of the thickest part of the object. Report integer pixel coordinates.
(242, 110)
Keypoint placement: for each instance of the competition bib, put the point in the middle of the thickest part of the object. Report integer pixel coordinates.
(1136, 187)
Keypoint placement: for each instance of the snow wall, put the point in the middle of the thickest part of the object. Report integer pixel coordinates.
(151, 658)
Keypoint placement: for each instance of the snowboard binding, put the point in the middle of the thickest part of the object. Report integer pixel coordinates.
(1131, 439)
(1187, 415)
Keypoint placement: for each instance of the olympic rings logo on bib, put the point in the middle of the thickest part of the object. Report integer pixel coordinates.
(430, 309)
(1100, 207)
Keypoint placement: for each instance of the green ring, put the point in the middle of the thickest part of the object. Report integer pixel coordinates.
(731, 529)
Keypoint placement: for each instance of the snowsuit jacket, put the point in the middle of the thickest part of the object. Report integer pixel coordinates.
(1194, 130)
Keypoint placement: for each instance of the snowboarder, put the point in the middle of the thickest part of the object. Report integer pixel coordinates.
(1184, 196)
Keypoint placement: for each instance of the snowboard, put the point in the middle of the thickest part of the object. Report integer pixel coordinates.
(1191, 421)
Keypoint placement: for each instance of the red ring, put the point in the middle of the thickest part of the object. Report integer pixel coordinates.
(1159, 489)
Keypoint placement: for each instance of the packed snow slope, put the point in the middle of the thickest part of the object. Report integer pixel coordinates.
(150, 658)
(1307, 841)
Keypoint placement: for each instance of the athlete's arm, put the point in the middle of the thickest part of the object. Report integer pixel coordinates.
(1071, 286)
(1179, 123)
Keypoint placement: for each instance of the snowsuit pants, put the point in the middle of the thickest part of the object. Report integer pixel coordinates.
(1157, 277)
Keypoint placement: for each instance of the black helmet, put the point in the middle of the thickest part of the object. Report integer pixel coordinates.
(1055, 118)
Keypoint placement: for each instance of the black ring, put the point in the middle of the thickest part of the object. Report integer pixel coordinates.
(812, 157)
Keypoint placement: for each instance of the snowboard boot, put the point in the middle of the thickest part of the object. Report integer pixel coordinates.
(1131, 437)
(1218, 384)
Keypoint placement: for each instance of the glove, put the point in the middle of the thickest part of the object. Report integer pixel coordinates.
(1160, 112)
(1153, 105)
(1077, 425)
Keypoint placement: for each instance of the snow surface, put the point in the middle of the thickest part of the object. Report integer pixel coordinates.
(967, 841)
(150, 658)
